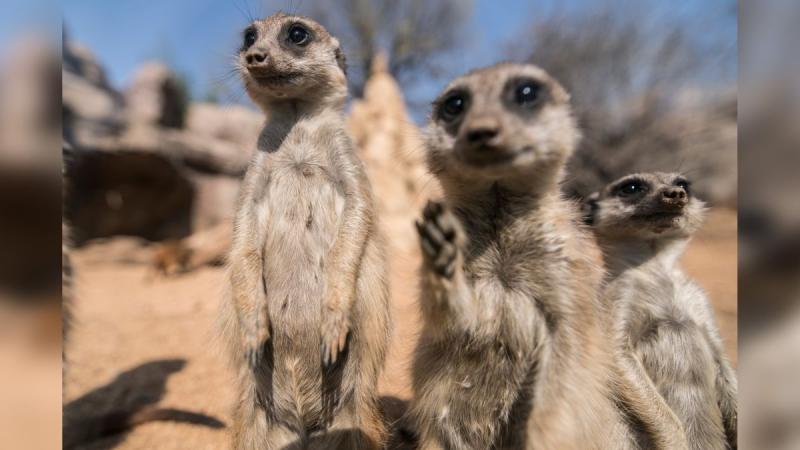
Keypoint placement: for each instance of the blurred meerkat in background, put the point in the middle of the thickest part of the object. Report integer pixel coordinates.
(662, 320)
(307, 319)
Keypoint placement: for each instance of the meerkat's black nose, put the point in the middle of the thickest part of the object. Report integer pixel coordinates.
(481, 135)
(674, 195)
(255, 57)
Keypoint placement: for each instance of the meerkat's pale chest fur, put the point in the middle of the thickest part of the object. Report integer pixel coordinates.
(307, 319)
(662, 320)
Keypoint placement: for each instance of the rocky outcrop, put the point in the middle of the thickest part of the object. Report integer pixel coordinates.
(145, 164)
(91, 106)
(232, 124)
(157, 97)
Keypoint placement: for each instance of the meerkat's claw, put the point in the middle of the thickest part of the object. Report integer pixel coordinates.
(332, 349)
(334, 340)
(437, 232)
(253, 354)
(254, 345)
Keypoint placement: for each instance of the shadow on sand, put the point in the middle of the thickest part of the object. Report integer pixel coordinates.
(129, 400)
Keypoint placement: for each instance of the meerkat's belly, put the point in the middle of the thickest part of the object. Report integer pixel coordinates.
(304, 207)
(471, 385)
(468, 393)
(676, 354)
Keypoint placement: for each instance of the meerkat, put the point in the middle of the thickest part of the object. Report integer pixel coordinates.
(513, 353)
(662, 320)
(307, 319)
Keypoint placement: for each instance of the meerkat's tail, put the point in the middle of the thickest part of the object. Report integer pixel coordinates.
(93, 428)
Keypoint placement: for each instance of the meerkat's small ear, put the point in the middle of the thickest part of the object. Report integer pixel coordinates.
(589, 208)
(340, 59)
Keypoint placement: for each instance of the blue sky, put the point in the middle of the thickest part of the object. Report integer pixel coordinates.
(18, 17)
(199, 37)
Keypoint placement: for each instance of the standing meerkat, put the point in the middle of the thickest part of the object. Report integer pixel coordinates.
(662, 320)
(513, 352)
(307, 319)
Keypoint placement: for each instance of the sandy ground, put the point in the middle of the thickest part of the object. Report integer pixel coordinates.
(140, 341)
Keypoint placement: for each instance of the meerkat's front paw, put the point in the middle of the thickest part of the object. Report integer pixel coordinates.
(254, 344)
(335, 330)
(440, 238)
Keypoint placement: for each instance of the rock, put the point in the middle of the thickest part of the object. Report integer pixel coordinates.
(131, 171)
(128, 192)
(233, 124)
(91, 106)
(157, 97)
(81, 62)
(198, 153)
(154, 183)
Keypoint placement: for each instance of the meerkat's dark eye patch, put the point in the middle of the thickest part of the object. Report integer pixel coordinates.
(299, 35)
(631, 187)
(250, 37)
(526, 93)
(452, 106)
(682, 183)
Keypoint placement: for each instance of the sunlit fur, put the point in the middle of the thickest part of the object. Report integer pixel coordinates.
(306, 321)
(514, 352)
(662, 320)
(312, 74)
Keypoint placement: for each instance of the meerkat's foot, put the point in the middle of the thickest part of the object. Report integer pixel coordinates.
(438, 232)
(254, 345)
(335, 331)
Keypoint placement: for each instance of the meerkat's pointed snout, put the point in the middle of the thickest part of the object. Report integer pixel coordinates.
(482, 131)
(256, 58)
(674, 197)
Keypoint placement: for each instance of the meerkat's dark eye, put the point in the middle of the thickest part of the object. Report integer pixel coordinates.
(452, 107)
(250, 36)
(632, 187)
(528, 93)
(298, 35)
(683, 184)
